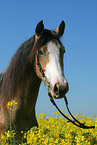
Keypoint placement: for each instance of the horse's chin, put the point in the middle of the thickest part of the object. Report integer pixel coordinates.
(57, 96)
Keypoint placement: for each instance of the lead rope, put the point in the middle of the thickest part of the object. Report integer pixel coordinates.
(75, 121)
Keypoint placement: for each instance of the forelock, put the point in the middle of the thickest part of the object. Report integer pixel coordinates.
(46, 37)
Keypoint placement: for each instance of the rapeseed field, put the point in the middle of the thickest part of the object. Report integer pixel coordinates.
(56, 131)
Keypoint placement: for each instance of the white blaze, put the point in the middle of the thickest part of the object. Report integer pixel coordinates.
(53, 70)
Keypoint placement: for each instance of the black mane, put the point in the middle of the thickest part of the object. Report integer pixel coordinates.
(46, 37)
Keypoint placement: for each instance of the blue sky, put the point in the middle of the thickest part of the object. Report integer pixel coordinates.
(18, 20)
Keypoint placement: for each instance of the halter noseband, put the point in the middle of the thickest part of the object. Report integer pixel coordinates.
(74, 121)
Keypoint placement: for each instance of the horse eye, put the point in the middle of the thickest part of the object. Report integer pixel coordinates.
(40, 52)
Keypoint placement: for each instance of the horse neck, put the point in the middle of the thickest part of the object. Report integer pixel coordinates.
(20, 79)
(29, 89)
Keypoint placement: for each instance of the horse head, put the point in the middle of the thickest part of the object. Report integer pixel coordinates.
(49, 53)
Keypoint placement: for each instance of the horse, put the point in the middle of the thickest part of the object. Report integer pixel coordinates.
(40, 58)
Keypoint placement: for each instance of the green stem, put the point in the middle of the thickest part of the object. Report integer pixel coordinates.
(11, 126)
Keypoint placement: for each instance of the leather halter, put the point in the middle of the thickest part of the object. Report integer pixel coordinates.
(74, 121)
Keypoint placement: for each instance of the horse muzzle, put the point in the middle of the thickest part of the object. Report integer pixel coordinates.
(59, 90)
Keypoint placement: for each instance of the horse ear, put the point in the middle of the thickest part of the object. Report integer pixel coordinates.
(60, 29)
(39, 28)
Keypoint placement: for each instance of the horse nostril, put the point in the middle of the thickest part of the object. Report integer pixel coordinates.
(60, 89)
(56, 88)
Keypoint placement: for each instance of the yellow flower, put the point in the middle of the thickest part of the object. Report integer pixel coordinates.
(77, 113)
(56, 131)
(8, 134)
(83, 116)
(12, 105)
(2, 137)
(95, 118)
(56, 141)
(63, 111)
(83, 138)
(76, 116)
(21, 131)
(57, 113)
(66, 114)
(54, 114)
(96, 124)
(93, 115)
